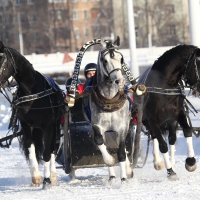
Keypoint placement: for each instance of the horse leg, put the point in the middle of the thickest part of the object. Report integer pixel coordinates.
(172, 140)
(53, 177)
(29, 150)
(164, 150)
(48, 135)
(112, 175)
(53, 170)
(129, 170)
(170, 172)
(98, 139)
(122, 157)
(50, 173)
(108, 159)
(190, 162)
(158, 163)
(34, 170)
(172, 157)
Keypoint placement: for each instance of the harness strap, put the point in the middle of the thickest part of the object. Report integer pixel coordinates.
(109, 105)
(84, 93)
(34, 96)
(3, 64)
(8, 139)
(164, 91)
(12, 61)
(188, 102)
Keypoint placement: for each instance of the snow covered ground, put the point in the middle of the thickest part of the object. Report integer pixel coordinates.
(91, 183)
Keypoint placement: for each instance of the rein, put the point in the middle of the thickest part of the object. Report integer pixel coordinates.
(168, 92)
(164, 91)
(34, 96)
(59, 105)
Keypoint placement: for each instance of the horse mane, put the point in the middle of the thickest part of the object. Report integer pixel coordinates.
(173, 56)
(21, 56)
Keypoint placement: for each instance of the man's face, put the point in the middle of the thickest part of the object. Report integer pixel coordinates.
(91, 73)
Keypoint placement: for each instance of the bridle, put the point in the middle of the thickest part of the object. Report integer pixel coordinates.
(192, 59)
(4, 66)
(111, 49)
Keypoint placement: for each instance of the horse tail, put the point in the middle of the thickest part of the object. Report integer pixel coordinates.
(37, 140)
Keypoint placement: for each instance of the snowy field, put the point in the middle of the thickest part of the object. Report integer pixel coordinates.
(92, 183)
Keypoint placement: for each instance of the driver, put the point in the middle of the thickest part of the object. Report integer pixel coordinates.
(90, 70)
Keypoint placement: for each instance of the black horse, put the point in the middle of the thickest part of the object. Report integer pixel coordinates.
(164, 102)
(38, 105)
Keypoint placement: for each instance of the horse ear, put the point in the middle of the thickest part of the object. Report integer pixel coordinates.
(117, 42)
(103, 43)
(1, 45)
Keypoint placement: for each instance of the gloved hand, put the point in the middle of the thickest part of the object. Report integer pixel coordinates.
(70, 101)
(138, 89)
(66, 99)
(141, 89)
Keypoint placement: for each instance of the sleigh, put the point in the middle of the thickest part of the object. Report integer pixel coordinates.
(78, 149)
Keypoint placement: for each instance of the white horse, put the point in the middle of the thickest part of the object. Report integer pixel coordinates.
(110, 107)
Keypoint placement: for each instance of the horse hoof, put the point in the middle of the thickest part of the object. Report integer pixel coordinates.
(46, 184)
(72, 174)
(130, 175)
(53, 178)
(111, 178)
(36, 181)
(171, 175)
(129, 171)
(159, 165)
(34, 184)
(123, 180)
(190, 168)
(190, 164)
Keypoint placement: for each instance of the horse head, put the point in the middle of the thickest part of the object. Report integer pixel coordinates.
(5, 71)
(192, 71)
(110, 63)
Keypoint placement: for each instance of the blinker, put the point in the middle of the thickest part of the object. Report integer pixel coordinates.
(111, 51)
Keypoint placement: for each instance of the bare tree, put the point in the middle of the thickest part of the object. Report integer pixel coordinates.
(104, 22)
(162, 19)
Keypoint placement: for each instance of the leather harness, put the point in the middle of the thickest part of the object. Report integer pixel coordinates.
(109, 105)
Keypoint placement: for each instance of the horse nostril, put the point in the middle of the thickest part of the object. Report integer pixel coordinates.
(117, 82)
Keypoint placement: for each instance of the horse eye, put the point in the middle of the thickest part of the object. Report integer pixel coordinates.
(105, 61)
